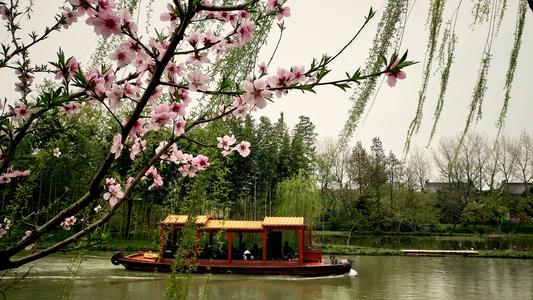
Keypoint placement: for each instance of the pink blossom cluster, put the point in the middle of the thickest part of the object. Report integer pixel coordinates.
(154, 175)
(101, 15)
(71, 108)
(166, 114)
(56, 152)
(259, 91)
(117, 146)
(25, 80)
(4, 227)
(67, 72)
(21, 111)
(68, 222)
(114, 192)
(27, 234)
(392, 77)
(226, 143)
(188, 164)
(99, 83)
(11, 174)
(5, 13)
(282, 11)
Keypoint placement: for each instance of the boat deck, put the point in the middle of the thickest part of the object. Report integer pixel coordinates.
(142, 257)
(149, 262)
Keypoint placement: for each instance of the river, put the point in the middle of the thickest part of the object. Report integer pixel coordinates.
(442, 242)
(379, 277)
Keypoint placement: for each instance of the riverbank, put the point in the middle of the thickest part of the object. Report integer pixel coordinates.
(490, 246)
(356, 250)
(136, 245)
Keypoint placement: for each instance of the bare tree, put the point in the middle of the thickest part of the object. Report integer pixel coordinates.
(419, 167)
(506, 158)
(522, 151)
(457, 163)
(479, 150)
(491, 171)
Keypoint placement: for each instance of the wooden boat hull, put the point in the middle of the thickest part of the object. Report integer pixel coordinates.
(309, 269)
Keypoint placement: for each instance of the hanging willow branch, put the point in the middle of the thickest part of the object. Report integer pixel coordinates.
(519, 30)
(476, 104)
(447, 57)
(436, 8)
(391, 20)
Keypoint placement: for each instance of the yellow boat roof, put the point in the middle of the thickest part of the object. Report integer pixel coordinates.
(283, 221)
(182, 220)
(209, 223)
(234, 225)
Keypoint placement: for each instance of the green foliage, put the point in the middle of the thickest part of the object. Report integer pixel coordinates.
(298, 196)
(55, 181)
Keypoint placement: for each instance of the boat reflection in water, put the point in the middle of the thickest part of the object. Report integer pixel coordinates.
(223, 247)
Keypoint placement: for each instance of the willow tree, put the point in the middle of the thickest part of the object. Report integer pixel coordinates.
(298, 196)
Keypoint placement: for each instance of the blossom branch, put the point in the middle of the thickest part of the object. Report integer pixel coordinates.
(19, 49)
(94, 186)
(226, 8)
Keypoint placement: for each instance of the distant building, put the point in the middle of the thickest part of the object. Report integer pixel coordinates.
(434, 187)
(516, 188)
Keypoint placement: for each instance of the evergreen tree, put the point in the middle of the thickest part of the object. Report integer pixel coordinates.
(304, 145)
(379, 173)
(359, 168)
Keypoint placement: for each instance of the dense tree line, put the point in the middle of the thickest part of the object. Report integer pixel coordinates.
(463, 181)
(232, 186)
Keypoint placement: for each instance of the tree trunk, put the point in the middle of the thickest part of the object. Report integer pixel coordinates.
(350, 234)
(128, 218)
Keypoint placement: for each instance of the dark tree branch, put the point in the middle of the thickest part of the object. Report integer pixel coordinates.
(243, 6)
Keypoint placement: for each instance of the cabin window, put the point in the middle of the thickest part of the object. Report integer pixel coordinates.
(213, 245)
(247, 246)
(282, 245)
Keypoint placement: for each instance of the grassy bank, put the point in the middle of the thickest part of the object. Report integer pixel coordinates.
(317, 234)
(356, 250)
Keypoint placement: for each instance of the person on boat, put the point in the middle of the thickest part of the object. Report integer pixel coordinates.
(288, 253)
(255, 251)
(247, 255)
(208, 251)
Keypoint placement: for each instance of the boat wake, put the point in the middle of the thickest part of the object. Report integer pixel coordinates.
(352, 273)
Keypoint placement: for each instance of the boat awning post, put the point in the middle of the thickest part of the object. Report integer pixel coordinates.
(161, 240)
(264, 238)
(310, 237)
(301, 245)
(196, 238)
(230, 245)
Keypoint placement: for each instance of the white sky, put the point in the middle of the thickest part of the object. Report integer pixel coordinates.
(318, 26)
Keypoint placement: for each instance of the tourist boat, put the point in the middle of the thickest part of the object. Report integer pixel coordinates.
(220, 248)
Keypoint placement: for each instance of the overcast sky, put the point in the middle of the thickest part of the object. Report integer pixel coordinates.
(318, 26)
